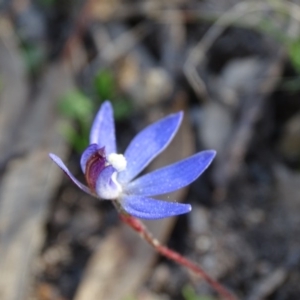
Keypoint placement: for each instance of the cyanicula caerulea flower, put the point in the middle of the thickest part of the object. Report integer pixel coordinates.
(112, 176)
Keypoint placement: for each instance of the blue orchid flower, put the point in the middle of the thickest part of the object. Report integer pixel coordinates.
(112, 176)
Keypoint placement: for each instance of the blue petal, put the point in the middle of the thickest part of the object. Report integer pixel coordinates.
(106, 188)
(59, 162)
(172, 177)
(103, 129)
(147, 208)
(148, 144)
(91, 149)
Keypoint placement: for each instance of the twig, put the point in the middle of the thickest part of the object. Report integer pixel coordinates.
(140, 228)
(125, 41)
(199, 52)
(231, 17)
(81, 23)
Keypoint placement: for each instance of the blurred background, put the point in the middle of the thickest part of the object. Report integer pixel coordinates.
(233, 67)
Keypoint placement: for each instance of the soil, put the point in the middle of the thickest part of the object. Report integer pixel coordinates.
(244, 226)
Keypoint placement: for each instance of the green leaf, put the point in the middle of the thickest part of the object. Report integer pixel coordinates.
(76, 105)
(78, 110)
(105, 85)
(122, 109)
(47, 3)
(78, 141)
(33, 56)
(294, 53)
(189, 294)
(129, 298)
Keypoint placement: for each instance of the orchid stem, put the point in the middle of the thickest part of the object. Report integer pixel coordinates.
(141, 229)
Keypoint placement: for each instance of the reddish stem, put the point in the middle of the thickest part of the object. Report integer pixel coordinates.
(139, 227)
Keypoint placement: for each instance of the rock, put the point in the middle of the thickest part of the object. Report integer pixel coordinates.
(199, 220)
(160, 277)
(214, 124)
(289, 142)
